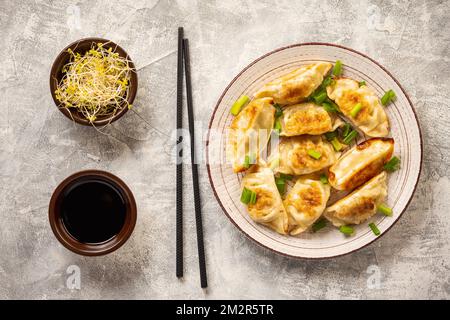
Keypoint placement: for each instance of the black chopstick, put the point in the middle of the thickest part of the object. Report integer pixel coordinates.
(194, 165)
(179, 183)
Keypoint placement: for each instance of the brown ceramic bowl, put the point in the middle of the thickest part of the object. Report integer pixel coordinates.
(96, 249)
(81, 46)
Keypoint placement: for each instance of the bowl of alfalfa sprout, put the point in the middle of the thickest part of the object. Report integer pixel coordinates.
(93, 82)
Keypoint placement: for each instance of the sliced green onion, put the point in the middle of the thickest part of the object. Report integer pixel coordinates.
(314, 154)
(346, 129)
(279, 110)
(237, 106)
(319, 224)
(350, 137)
(337, 70)
(277, 125)
(253, 197)
(362, 83)
(388, 97)
(281, 185)
(374, 228)
(286, 176)
(347, 230)
(326, 82)
(248, 161)
(246, 195)
(356, 109)
(323, 179)
(320, 97)
(336, 144)
(329, 107)
(384, 209)
(392, 164)
(330, 135)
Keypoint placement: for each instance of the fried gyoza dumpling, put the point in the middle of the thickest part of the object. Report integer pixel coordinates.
(293, 156)
(305, 203)
(372, 118)
(250, 131)
(359, 205)
(268, 209)
(361, 163)
(297, 85)
(307, 118)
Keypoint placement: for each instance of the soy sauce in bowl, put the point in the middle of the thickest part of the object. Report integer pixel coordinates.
(93, 211)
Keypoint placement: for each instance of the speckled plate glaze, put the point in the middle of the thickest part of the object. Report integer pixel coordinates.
(328, 242)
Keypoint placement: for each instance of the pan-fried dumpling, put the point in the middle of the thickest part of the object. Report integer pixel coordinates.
(359, 205)
(297, 85)
(307, 118)
(360, 163)
(250, 131)
(305, 203)
(372, 118)
(293, 158)
(268, 209)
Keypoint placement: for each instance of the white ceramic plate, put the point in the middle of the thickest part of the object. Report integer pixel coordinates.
(328, 242)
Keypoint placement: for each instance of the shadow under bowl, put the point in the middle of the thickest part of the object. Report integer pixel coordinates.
(56, 74)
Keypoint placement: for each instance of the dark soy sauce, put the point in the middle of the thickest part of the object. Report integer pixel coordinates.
(93, 210)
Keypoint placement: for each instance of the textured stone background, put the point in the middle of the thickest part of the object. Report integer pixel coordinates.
(39, 147)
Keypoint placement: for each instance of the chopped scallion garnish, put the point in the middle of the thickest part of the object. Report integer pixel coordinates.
(330, 135)
(388, 97)
(248, 161)
(362, 83)
(392, 164)
(253, 198)
(248, 196)
(320, 97)
(328, 107)
(336, 144)
(356, 109)
(374, 228)
(384, 209)
(237, 106)
(286, 176)
(323, 179)
(350, 137)
(319, 224)
(281, 184)
(347, 230)
(337, 70)
(277, 125)
(346, 129)
(326, 82)
(314, 154)
(279, 110)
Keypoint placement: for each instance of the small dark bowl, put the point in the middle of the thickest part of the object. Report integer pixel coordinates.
(82, 46)
(96, 249)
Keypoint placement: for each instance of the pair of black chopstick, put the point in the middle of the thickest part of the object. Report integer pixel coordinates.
(183, 55)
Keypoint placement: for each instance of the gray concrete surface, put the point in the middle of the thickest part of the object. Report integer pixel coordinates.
(39, 147)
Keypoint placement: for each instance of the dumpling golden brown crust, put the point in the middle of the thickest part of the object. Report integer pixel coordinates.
(372, 118)
(268, 209)
(297, 85)
(307, 118)
(250, 131)
(305, 203)
(359, 205)
(360, 163)
(293, 158)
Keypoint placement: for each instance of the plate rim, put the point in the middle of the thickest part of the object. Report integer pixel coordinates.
(300, 45)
